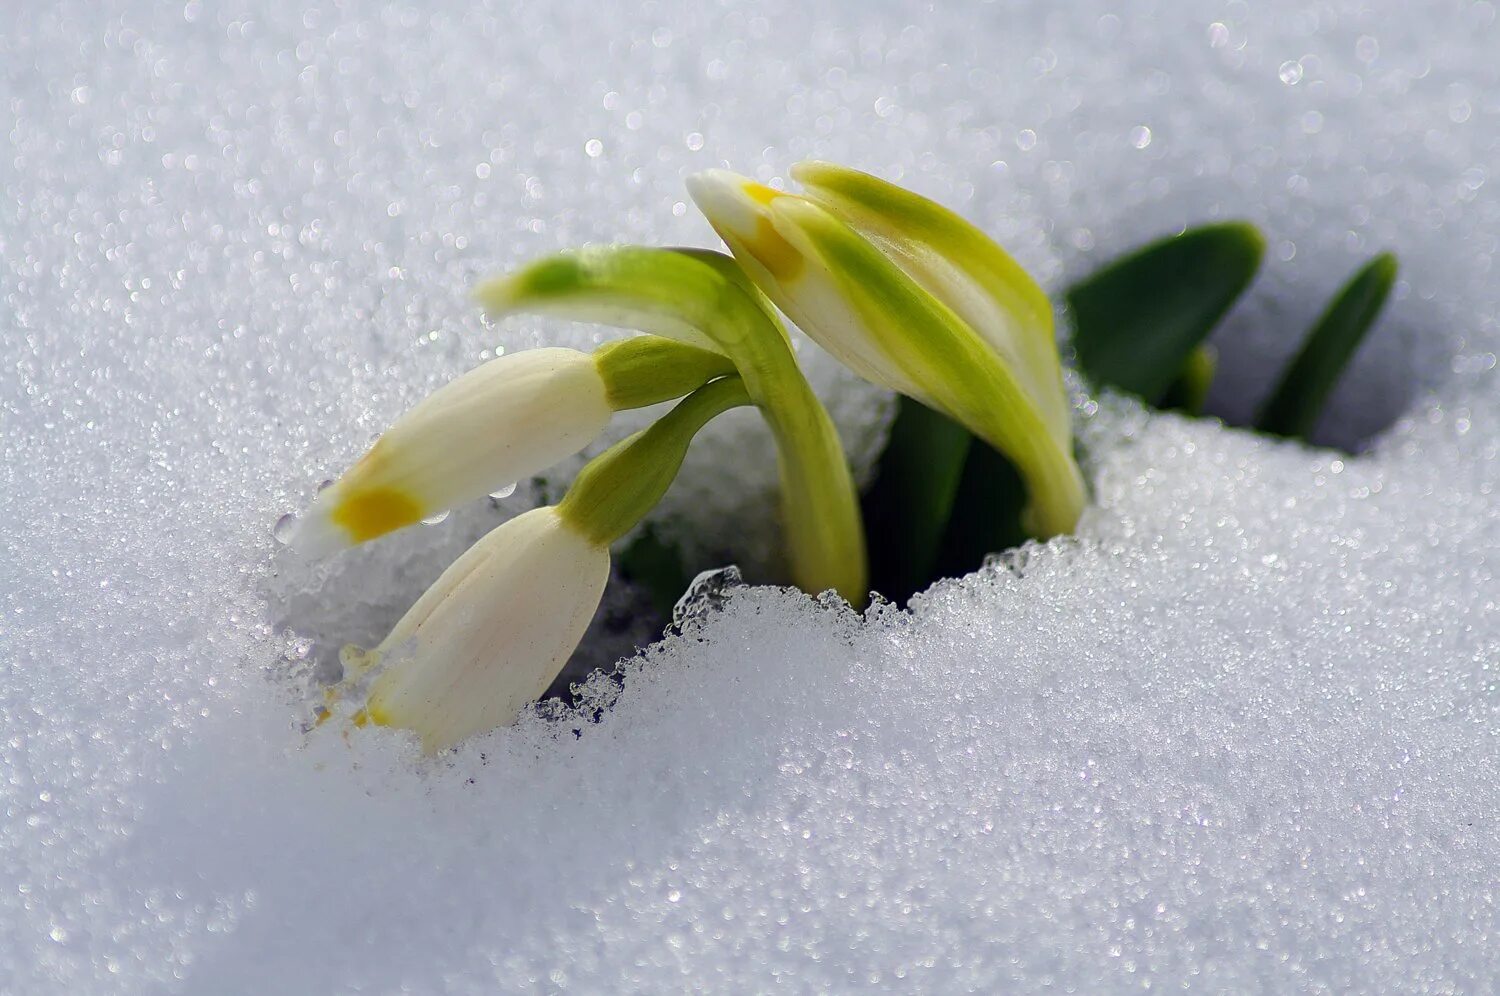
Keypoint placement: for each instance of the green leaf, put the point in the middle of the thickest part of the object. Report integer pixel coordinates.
(1189, 392)
(986, 515)
(1137, 320)
(907, 507)
(1294, 406)
(655, 565)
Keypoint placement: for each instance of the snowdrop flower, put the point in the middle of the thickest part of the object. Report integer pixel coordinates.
(910, 296)
(497, 424)
(494, 630)
(492, 633)
(962, 267)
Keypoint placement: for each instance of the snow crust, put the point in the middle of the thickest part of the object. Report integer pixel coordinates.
(1240, 733)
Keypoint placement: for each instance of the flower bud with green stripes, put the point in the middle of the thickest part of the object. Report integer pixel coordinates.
(496, 628)
(497, 424)
(702, 298)
(910, 296)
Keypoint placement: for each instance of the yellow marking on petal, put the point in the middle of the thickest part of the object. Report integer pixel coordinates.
(772, 251)
(365, 515)
(363, 718)
(761, 193)
(775, 253)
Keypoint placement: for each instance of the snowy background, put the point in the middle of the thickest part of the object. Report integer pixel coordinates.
(1241, 733)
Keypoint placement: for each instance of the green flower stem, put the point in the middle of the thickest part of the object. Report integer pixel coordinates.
(820, 507)
(703, 299)
(617, 488)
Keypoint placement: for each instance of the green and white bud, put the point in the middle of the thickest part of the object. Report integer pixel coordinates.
(500, 423)
(962, 267)
(909, 298)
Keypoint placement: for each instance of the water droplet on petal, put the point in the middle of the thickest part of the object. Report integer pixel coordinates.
(435, 519)
(324, 486)
(504, 492)
(285, 526)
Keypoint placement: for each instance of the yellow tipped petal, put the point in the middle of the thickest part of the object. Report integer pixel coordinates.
(492, 632)
(742, 209)
(365, 515)
(497, 424)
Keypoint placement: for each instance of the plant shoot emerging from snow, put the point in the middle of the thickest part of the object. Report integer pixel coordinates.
(905, 293)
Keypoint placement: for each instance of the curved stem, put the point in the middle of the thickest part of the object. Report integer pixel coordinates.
(617, 488)
(819, 504)
(702, 297)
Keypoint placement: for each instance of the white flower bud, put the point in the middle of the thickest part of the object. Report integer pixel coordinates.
(492, 633)
(497, 424)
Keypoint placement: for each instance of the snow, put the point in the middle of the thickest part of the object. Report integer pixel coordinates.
(1240, 733)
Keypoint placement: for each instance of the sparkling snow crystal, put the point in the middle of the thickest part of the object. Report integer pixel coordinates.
(1240, 733)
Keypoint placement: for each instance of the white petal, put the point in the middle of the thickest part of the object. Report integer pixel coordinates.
(492, 633)
(495, 425)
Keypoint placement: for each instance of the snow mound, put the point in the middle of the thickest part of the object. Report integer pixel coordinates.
(1241, 732)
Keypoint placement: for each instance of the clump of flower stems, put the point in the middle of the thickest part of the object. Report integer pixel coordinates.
(902, 291)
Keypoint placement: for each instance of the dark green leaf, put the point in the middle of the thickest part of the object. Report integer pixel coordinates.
(906, 509)
(1189, 391)
(986, 515)
(1295, 404)
(655, 565)
(1137, 320)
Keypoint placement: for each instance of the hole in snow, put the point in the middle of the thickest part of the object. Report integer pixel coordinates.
(1397, 361)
